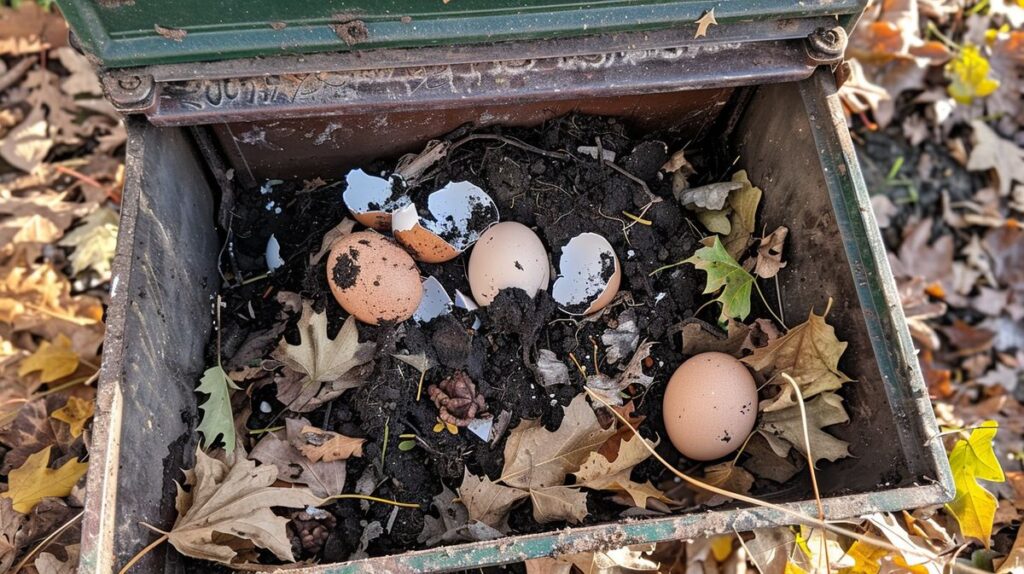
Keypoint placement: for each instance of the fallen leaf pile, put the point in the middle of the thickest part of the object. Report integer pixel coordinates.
(538, 463)
(61, 173)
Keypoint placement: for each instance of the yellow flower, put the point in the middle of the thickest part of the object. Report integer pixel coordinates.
(969, 75)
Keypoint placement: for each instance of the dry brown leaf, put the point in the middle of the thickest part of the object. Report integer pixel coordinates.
(28, 29)
(76, 413)
(328, 446)
(744, 203)
(785, 428)
(321, 360)
(338, 231)
(610, 448)
(10, 523)
(94, 242)
(33, 481)
(82, 77)
(537, 458)
(48, 563)
(995, 153)
(769, 253)
(552, 503)
(919, 259)
(228, 510)
(700, 337)
(601, 473)
(488, 502)
(611, 388)
(727, 476)
(281, 449)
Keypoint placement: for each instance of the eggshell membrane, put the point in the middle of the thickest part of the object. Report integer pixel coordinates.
(453, 214)
(508, 254)
(580, 267)
(710, 406)
(423, 244)
(373, 279)
(363, 190)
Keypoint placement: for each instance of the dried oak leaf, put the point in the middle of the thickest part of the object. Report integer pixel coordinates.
(228, 510)
(917, 258)
(553, 503)
(321, 360)
(601, 473)
(49, 563)
(726, 476)
(281, 449)
(33, 481)
(611, 388)
(453, 524)
(486, 501)
(321, 445)
(809, 353)
(784, 428)
(993, 152)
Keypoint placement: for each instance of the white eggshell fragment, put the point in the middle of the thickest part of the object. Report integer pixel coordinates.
(463, 301)
(371, 199)
(508, 254)
(273, 254)
(456, 216)
(589, 275)
(710, 406)
(435, 301)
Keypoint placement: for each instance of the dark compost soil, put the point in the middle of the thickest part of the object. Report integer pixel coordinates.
(559, 199)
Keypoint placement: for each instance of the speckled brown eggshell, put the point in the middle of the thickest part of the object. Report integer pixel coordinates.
(710, 406)
(373, 279)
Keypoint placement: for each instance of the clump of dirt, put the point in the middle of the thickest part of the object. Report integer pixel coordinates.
(560, 197)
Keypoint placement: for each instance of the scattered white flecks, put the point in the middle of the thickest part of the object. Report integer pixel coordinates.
(661, 364)
(268, 186)
(481, 428)
(533, 397)
(113, 285)
(270, 205)
(265, 407)
(273, 254)
(658, 297)
(553, 402)
(551, 396)
(631, 253)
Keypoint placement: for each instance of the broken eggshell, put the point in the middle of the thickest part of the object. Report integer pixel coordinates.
(589, 275)
(435, 301)
(457, 214)
(371, 199)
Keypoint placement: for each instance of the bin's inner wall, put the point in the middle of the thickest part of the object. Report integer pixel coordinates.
(774, 142)
(328, 147)
(776, 146)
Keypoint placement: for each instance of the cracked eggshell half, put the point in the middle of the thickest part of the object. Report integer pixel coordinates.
(457, 214)
(372, 199)
(435, 301)
(373, 279)
(589, 275)
(710, 406)
(508, 254)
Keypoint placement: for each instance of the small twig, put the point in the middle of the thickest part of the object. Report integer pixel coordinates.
(807, 442)
(582, 369)
(767, 306)
(13, 75)
(387, 431)
(512, 142)
(419, 388)
(138, 556)
(265, 430)
(371, 499)
(634, 179)
(637, 218)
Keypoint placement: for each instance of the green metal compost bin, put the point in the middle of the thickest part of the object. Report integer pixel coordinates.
(306, 88)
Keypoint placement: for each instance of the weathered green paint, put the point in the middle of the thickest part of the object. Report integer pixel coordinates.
(121, 33)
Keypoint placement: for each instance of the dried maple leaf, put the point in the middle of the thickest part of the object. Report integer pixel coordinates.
(453, 524)
(321, 359)
(704, 22)
(76, 412)
(33, 481)
(228, 510)
(53, 360)
(785, 428)
(536, 457)
(328, 446)
(993, 152)
(94, 242)
(281, 449)
(217, 419)
(809, 353)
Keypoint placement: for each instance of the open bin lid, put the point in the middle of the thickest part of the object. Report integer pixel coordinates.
(132, 33)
